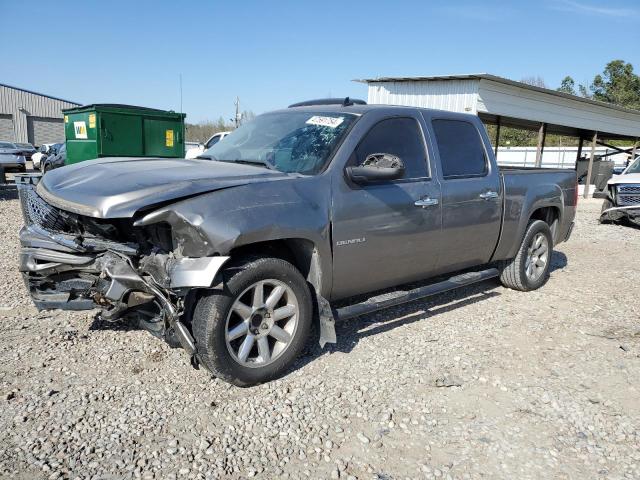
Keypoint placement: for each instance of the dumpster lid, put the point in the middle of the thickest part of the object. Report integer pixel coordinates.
(96, 106)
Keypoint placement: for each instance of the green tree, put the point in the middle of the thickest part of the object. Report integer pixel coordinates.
(568, 85)
(618, 84)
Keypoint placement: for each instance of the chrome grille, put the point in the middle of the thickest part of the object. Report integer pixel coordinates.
(629, 189)
(628, 195)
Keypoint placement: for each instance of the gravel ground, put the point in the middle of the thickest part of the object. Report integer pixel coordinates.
(484, 382)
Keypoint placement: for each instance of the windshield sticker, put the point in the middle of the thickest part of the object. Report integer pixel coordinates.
(332, 122)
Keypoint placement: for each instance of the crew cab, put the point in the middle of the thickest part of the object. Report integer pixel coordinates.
(234, 255)
(622, 196)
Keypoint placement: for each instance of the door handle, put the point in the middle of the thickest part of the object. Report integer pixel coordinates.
(489, 195)
(426, 202)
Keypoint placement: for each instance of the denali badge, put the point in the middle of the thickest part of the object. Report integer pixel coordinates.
(339, 243)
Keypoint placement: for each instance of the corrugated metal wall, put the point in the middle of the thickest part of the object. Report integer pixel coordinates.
(45, 130)
(452, 95)
(21, 104)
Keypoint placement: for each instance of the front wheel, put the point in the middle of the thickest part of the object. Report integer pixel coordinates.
(529, 269)
(254, 329)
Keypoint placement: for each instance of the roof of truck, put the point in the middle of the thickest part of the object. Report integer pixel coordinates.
(362, 109)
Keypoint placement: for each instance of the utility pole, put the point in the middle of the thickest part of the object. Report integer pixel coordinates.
(237, 120)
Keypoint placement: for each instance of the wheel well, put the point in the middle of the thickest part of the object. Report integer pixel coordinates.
(549, 215)
(300, 252)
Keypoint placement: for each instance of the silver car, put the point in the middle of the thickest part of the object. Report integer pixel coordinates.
(11, 157)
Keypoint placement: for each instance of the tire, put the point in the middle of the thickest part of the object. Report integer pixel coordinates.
(222, 334)
(606, 204)
(515, 272)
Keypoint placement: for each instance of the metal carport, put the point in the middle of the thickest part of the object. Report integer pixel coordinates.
(507, 103)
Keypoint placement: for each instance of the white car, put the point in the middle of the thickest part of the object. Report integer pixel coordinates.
(215, 138)
(41, 154)
(622, 201)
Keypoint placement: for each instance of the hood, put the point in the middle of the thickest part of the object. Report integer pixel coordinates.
(627, 178)
(118, 187)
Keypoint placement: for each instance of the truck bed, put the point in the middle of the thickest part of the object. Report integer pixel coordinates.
(550, 186)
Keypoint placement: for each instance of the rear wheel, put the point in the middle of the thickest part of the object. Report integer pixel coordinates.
(253, 330)
(529, 269)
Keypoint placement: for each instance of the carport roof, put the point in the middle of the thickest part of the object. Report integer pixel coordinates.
(513, 103)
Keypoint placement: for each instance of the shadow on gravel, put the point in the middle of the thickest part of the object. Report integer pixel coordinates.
(558, 261)
(122, 325)
(350, 332)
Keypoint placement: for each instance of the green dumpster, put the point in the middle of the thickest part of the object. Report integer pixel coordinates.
(108, 130)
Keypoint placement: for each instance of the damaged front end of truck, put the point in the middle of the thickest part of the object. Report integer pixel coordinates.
(75, 262)
(621, 202)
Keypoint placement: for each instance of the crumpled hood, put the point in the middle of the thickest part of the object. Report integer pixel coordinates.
(118, 187)
(628, 178)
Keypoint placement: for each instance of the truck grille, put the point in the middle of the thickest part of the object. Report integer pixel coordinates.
(628, 195)
(38, 211)
(35, 210)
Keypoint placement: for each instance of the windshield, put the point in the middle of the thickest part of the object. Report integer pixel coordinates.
(7, 145)
(292, 142)
(634, 167)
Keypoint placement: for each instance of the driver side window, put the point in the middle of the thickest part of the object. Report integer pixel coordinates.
(396, 136)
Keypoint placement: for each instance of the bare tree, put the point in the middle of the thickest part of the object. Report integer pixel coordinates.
(536, 81)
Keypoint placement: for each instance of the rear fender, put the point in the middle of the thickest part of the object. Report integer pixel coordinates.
(519, 210)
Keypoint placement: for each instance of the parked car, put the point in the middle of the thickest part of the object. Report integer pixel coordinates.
(56, 160)
(43, 152)
(27, 150)
(622, 196)
(11, 157)
(215, 138)
(229, 256)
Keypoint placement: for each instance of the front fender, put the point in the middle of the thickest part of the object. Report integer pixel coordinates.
(214, 224)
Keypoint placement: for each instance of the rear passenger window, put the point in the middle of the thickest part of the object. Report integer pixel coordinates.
(461, 150)
(400, 137)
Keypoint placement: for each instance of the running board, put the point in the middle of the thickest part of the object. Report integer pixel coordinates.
(396, 298)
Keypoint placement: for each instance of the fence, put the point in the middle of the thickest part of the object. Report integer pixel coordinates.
(553, 157)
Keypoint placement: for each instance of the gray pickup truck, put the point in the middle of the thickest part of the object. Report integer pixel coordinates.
(238, 254)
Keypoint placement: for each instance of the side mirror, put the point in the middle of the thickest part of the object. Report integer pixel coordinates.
(377, 167)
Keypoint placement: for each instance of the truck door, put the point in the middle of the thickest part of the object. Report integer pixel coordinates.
(471, 195)
(382, 232)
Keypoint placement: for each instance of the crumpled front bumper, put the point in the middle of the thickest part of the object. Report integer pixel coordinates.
(79, 272)
(615, 214)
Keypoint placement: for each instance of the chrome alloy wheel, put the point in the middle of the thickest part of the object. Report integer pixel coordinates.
(261, 323)
(537, 257)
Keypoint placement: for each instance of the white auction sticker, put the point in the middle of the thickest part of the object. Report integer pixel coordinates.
(332, 122)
